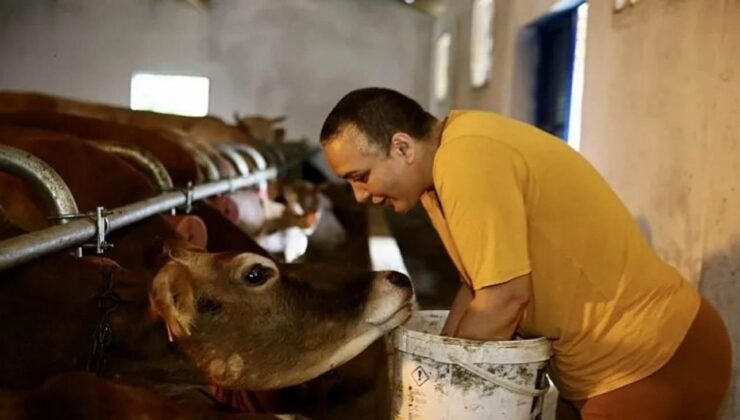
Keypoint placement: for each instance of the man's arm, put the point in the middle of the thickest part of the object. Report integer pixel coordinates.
(495, 311)
(459, 305)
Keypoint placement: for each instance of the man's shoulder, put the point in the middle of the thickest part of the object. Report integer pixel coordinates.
(474, 145)
(473, 122)
(476, 156)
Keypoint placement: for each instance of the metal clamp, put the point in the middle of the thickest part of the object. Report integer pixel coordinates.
(232, 185)
(188, 191)
(101, 228)
(102, 225)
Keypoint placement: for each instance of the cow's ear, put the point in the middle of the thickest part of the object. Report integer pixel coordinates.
(173, 299)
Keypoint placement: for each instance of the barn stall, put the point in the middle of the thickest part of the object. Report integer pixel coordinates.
(205, 116)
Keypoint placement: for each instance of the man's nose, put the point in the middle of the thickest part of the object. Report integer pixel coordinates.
(361, 195)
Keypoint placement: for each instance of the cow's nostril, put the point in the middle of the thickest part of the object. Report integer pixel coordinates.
(399, 279)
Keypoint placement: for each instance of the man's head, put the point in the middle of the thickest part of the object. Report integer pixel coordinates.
(382, 142)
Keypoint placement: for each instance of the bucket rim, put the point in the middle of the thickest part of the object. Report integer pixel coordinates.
(464, 342)
(402, 334)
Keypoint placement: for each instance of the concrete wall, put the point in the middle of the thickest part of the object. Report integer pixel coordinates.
(661, 107)
(660, 121)
(510, 88)
(262, 56)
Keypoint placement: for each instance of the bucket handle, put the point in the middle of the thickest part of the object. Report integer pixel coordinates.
(516, 388)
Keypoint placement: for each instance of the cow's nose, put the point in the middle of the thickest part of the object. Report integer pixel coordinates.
(398, 279)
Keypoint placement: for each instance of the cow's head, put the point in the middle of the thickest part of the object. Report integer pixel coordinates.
(250, 323)
(261, 128)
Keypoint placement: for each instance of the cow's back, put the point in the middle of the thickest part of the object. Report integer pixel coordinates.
(208, 128)
(180, 164)
(94, 177)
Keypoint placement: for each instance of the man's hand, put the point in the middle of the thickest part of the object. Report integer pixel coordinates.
(495, 311)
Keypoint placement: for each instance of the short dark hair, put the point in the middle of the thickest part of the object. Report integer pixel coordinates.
(379, 113)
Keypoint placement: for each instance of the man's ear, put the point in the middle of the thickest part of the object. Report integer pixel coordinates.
(173, 299)
(403, 146)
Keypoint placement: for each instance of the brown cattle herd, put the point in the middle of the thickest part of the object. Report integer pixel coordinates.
(253, 303)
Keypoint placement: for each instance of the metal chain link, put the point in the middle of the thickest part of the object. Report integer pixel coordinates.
(108, 302)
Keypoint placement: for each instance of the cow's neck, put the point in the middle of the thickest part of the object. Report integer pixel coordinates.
(140, 248)
(172, 369)
(141, 350)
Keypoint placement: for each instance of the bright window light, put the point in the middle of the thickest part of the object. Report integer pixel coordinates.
(442, 66)
(384, 251)
(385, 254)
(170, 94)
(576, 90)
(481, 42)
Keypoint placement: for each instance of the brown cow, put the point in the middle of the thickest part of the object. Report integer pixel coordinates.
(192, 129)
(210, 129)
(180, 165)
(171, 150)
(91, 191)
(261, 128)
(237, 319)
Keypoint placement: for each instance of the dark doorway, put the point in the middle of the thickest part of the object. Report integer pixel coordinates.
(556, 35)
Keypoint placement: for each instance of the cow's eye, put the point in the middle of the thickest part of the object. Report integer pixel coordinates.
(257, 275)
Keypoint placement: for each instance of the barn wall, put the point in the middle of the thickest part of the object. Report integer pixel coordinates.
(262, 56)
(661, 123)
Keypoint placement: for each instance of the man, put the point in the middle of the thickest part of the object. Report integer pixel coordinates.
(544, 248)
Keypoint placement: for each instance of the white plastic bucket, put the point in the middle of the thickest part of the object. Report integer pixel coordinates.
(437, 377)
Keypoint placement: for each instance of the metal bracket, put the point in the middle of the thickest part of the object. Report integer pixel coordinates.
(232, 187)
(100, 216)
(188, 191)
(101, 224)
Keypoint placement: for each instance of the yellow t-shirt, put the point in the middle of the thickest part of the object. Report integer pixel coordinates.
(509, 200)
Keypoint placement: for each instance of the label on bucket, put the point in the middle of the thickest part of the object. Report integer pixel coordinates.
(424, 389)
(420, 376)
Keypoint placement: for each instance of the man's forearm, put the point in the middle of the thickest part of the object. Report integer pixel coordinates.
(459, 305)
(495, 311)
(476, 324)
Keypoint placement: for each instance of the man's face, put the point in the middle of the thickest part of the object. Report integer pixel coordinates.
(384, 179)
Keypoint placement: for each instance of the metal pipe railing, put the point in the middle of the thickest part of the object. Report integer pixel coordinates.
(258, 159)
(235, 158)
(205, 164)
(23, 248)
(253, 153)
(46, 183)
(142, 160)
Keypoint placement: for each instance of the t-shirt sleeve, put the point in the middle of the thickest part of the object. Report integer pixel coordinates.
(481, 184)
